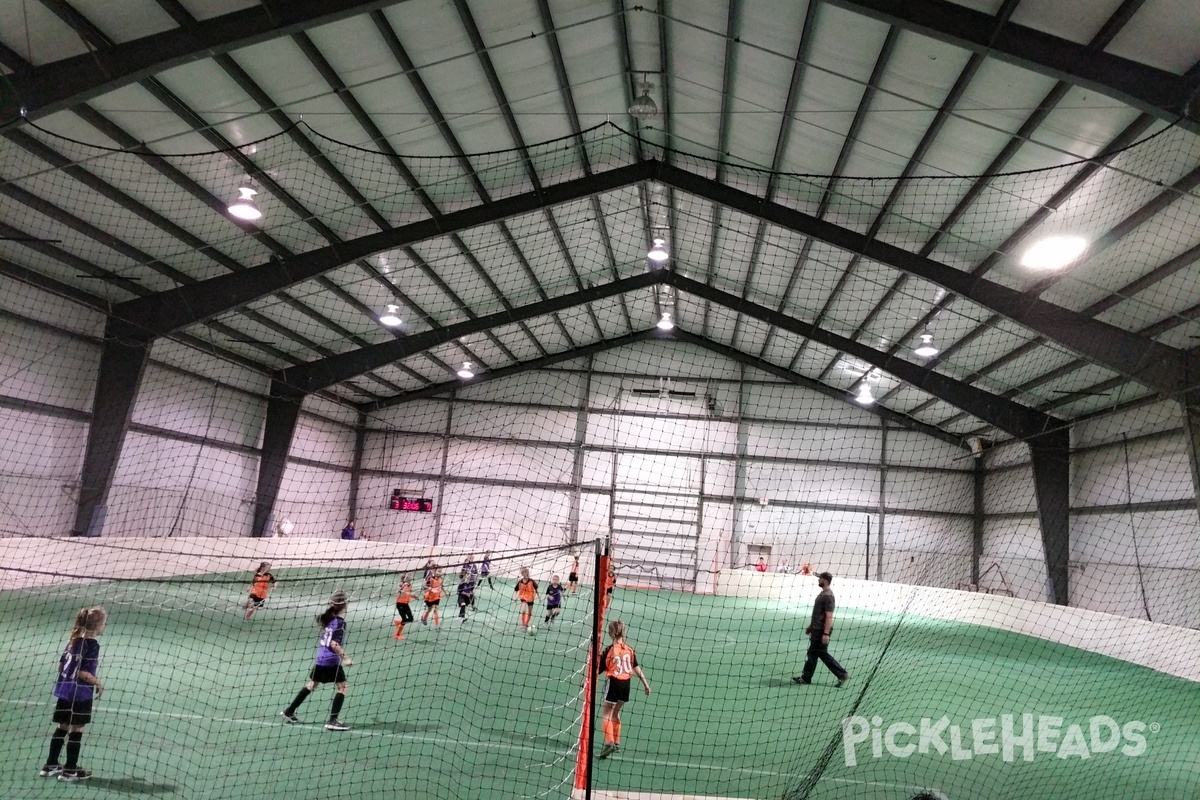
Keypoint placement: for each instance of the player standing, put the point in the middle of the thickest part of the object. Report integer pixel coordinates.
(573, 575)
(77, 684)
(403, 597)
(620, 663)
(327, 663)
(554, 598)
(259, 589)
(526, 594)
(433, 597)
(485, 569)
(466, 593)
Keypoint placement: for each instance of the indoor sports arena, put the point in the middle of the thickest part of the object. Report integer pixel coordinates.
(400, 396)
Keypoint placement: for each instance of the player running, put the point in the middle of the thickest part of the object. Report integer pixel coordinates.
(620, 663)
(554, 599)
(404, 596)
(77, 684)
(259, 589)
(466, 593)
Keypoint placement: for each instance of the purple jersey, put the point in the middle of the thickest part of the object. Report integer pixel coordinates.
(335, 631)
(81, 655)
(554, 596)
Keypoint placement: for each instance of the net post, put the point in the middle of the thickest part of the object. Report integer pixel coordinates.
(583, 759)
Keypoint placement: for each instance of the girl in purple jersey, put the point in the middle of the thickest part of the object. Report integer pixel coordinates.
(327, 663)
(77, 684)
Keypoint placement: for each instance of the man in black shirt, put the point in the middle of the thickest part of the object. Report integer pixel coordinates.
(818, 636)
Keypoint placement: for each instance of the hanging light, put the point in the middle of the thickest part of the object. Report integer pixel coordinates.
(391, 318)
(926, 349)
(658, 253)
(864, 397)
(643, 106)
(666, 323)
(1054, 252)
(466, 373)
(245, 207)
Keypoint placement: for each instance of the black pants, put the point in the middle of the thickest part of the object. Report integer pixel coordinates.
(816, 649)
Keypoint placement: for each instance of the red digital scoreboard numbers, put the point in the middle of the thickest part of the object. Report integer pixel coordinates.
(401, 502)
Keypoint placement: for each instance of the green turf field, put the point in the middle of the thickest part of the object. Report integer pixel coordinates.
(480, 710)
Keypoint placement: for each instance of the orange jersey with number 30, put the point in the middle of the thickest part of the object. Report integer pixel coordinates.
(527, 590)
(619, 661)
(433, 589)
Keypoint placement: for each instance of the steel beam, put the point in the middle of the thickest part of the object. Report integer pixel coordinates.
(317, 375)
(1191, 429)
(283, 410)
(1012, 418)
(123, 359)
(59, 85)
(1051, 457)
(1165, 369)
(583, 351)
(1155, 91)
(796, 378)
(174, 309)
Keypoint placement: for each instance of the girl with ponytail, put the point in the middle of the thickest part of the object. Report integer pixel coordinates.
(78, 683)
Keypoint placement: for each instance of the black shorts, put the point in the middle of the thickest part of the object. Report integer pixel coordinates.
(404, 611)
(550, 608)
(255, 600)
(432, 603)
(332, 673)
(617, 691)
(72, 712)
(465, 599)
(573, 578)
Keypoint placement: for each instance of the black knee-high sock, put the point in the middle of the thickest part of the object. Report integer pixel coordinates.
(336, 708)
(56, 745)
(301, 696)
(74, 740)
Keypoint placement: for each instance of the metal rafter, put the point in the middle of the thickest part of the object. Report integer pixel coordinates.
(317, 375)
(1166, 369)
(63, 84)
(1012, 418)
(1157, 92)
(177, 308)
(782, 137)
(860, 116)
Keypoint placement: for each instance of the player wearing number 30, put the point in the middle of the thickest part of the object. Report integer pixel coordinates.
(620, 663)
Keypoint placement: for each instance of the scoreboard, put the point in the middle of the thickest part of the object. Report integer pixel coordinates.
(402, 502)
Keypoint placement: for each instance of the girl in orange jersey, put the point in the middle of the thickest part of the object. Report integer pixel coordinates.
(527, 594)
(404, 596)
(259, 589)
(573, 575)
(620, 664)
(433, 596)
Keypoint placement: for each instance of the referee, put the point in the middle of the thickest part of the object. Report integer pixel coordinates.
(818, 632)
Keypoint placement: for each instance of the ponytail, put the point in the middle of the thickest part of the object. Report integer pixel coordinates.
(88, 620)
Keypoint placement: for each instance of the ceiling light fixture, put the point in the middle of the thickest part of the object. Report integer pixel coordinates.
(391, 318)
(926, 349)
(643, 105)
(245, 207)
(1053, 252)
(466, 373)
(864, 397)
(666, 323)
(658, 253)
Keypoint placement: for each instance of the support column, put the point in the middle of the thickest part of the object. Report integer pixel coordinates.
(360, 440)
(739, 475)
(441, 487)
(581, 426)
(883, 443)
(1191, 428)
(1051, 457)
(283, 410)
(122, 362)
(977, 520)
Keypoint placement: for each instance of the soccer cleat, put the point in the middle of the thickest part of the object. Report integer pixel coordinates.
(609, 749)
(289, 718)
(336, 725)
(73, 774)
(50, 770)
(798, 679)
(842, 680)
